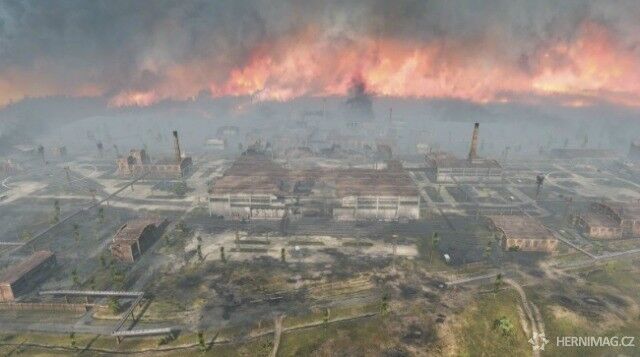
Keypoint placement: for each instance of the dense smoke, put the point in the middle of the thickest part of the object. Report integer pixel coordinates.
(140, 52)
(359, 103)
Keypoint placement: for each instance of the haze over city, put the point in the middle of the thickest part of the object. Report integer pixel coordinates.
(291, 178)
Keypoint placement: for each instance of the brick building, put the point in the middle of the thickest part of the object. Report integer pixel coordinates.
(610, 220)
(137, 163)
(523, 233)
(24, 276)
(136, 237)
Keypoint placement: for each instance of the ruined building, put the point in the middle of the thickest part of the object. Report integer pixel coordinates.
(608, 220)
(135, 237)
(445, 167)
(137, 163)
(255, 187)
(523, 233)
(26, 275)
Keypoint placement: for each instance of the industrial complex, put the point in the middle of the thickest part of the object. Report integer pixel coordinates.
(255, 187)
(446, 167)
(138, 163)
(297, 227)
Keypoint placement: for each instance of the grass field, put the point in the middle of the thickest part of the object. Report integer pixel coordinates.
(475, 332)
(363, 337)
(614, 282)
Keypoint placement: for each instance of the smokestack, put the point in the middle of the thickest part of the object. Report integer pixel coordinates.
(473, 152)
(177, 147)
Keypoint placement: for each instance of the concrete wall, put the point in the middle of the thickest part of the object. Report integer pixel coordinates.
(380, 208)
(598, 232)
(6, 293)
(247, 207)
(468, 175)
(530, 245)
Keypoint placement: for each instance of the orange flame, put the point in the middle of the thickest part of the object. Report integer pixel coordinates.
(594, 67)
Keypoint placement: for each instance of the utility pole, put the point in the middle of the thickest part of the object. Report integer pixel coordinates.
(41, 153)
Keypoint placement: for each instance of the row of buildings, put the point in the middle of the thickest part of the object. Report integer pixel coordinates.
(128, 244)
(255, 187)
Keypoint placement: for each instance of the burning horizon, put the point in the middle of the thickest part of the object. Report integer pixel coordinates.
(575, 61)
(592, 68)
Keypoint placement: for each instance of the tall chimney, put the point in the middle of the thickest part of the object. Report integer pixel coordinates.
(473, 152)
(177, 147)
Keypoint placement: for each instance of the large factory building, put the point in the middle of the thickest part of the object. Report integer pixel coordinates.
(446, 168)
(255, 187)
(137, 163)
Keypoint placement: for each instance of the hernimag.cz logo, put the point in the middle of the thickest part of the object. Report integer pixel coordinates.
(538, 341)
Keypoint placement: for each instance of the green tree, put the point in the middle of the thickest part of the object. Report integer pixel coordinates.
(117, 277)
(201, 343)
(384, 304)
(76, 232)
(504, 325)
(74, 277)
(72, 339)
(435, 241)
(283, 255)
(92, 283)
(26, 235)
(222, 256)
(487, 250)
(284, 224)
(103, 261)
(199, 250)
(180, 189)
(325, 318)
(56, 211)
(182, 228)
(497, 284)
(114, 305)
(101, 215)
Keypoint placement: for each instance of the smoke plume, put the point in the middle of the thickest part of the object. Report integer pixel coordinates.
(141, 52)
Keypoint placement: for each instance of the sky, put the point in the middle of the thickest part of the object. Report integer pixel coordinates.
(136, 53)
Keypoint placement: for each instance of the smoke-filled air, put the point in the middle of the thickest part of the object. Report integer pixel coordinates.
(285, 178)
(136, 53)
